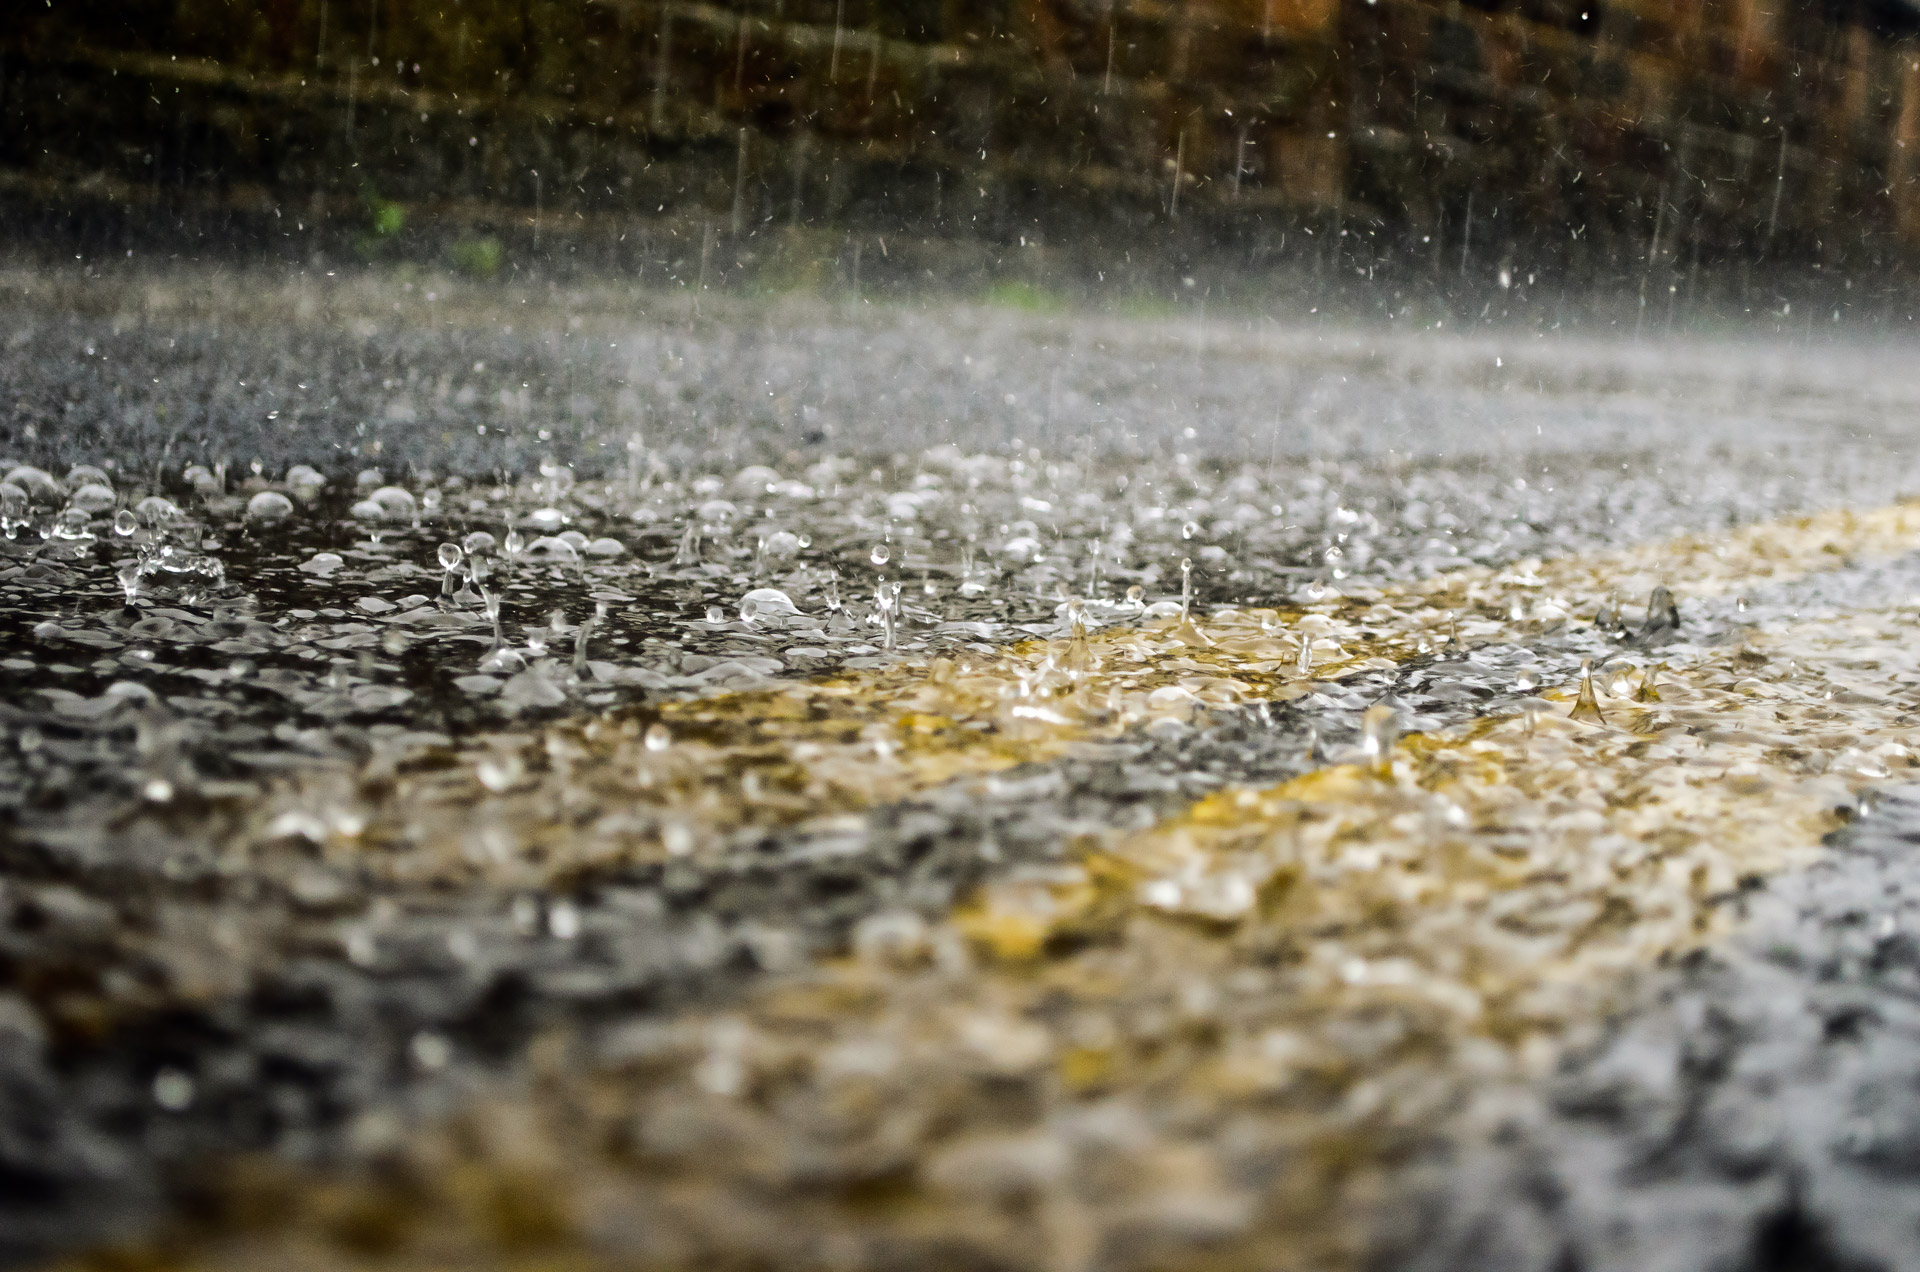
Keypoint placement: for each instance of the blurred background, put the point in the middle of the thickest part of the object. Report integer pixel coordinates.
(1534, 158)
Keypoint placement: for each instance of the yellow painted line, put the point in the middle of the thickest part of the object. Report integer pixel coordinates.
(536, 807)
(1207, 1045)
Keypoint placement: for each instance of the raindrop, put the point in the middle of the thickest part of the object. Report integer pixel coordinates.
(658, 737)
(1189, 530)
(450, 554)
(125, 523)
(881, 554)
(715, 614)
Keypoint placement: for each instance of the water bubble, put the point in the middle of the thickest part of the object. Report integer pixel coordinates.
(1021, 548)
(1136, 596)
(715, 614)
(881, 554)
(157, 510)
(88, 475)
(782, 545)
(303, 479)
(658, 737)
(15, 508)
(72, 526)
(36, 483)
(125, 523)
(394, 503)
(605, 548)
(764, 603)
(478, 541)
(514, 544)
(93, 497)
(1189, 530)
(547, 518)
(269, 505)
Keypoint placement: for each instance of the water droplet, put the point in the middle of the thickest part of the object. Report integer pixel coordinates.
(1663, 612)
(881, 554)
(563, 920)
(431, 1052)
(886, 599)
(658, 737)
(715, 614)
(173, 1090)
(450, 555)
(1189, 530)
(125, 523)
(1587, 706)
(1379, 731)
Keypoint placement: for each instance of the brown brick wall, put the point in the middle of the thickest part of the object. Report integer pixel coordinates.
(1737, 125)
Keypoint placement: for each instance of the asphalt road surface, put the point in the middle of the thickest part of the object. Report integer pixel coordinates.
(522, 776)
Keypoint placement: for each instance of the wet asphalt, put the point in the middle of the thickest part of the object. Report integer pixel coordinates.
(1747, 1108)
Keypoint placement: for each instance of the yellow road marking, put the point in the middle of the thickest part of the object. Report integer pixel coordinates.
(533, 808)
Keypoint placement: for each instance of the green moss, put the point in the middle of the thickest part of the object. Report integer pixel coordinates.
(1019, 294)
